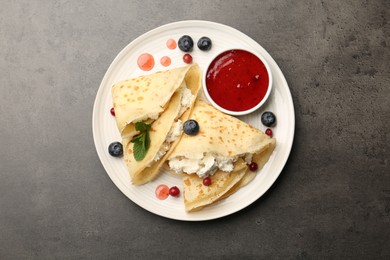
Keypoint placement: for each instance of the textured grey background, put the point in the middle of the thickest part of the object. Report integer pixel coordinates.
(332, 200)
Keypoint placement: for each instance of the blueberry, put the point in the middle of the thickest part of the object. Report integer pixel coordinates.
(204, 43)
(115, 149)
(186, 43)
(268, 118)
(191, 127)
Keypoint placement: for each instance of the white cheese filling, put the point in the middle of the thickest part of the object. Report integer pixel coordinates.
(173, 134)
(185, 102)
(187, 98)
(248, 158)
(204, 164)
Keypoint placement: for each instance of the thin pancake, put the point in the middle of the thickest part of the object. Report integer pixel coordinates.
(197, 195)
(158, 132)
(146, 96)
(149, 173)
(147, 169)
(261, 159)
(220, 134)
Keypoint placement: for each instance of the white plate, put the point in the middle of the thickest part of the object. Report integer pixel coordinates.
(125, 66)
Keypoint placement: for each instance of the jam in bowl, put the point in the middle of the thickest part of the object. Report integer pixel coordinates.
(237, 81)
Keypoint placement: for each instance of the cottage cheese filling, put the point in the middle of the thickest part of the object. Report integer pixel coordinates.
(173, 134)
(185, 102)
(205, 164)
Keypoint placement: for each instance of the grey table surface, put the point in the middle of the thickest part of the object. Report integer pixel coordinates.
(331, 201)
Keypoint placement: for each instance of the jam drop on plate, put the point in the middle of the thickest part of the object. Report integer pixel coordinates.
(145, 62)
(165, 61)
(171, 44)
(162, 192)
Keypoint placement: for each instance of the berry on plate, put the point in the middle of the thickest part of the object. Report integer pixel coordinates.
(253, 166)
(115, 149)
(204, 43)
(187, 58)
(186, 43)
(268, 118)
(174, 191)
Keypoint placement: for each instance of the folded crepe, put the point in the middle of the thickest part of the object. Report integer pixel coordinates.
(162, 100)
(221, 150)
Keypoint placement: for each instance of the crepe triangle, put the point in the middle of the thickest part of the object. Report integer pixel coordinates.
(221, 136)
(163, 100)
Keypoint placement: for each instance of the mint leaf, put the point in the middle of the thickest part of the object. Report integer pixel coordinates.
(147, 140)
(139, 151)
(141, 141)
(137, 138)
(142, 127)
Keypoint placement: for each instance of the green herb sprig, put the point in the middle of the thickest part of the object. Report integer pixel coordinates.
(141, 141)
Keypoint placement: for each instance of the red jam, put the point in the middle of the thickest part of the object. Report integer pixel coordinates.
(237, 80)
(171, 44)
(162, 192)
(145, 61)
(165, 61)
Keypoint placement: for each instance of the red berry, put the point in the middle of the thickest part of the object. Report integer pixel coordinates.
(187, 58)
(174, 191)
(253, 166)
(207, 181)
(268, 132)
(162, 192)
(112, 111)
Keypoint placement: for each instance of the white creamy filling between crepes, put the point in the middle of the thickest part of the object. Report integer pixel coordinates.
(205, 164)
(173, 134)
(187, 98)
